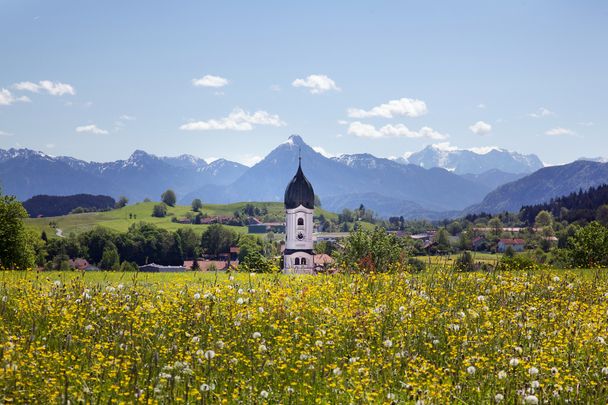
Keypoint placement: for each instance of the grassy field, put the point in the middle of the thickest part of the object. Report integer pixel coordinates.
(436, 337)
(119, 219)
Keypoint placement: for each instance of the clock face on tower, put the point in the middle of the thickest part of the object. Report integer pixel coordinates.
(300, 235)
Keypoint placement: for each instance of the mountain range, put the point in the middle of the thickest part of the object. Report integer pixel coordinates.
(462, 161)
(433, 183)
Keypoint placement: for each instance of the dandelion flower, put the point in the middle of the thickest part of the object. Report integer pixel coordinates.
(498, 398)
(264, 394)
(256, 335)
(532, 371)
(337, 371)
(514, 362)
(387, 343)
(209, 354)
(471, 370)
(531, 400)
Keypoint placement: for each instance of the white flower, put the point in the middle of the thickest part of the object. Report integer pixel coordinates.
(481, 298)
(514, 362)
(256, 335)
(554, 370)
(197, 296)
(337, 371)
(205, 387)
(88, 327)
(531, 400)
(231, 278)
(605, 370)
(209, 354)
(387, 343)
(262, 348)
(319, 343)
(401, 308)
(240, 301)
(601, 340)
(556, 279)
(261, 310)
(196, 339)
(390, 396)
(435, 342)
(502, 374)
(532, 371)
(264, 394)
(471, 370)
(219, 344)
(498, 398)
(535, 384)
(120, 286)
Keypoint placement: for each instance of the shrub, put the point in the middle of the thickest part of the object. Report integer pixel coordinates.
(159, 210)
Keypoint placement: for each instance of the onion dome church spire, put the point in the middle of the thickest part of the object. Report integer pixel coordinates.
(299, 191)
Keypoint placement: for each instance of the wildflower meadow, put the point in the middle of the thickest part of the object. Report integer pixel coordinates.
(436, 337)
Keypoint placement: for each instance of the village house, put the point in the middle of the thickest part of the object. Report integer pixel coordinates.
(516, 244)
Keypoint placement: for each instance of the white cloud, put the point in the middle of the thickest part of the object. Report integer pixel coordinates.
(52, 88)
(586, 124)
(542, 112)
(92, 129)
(237, 120)
(559, 131)
(322, 151)
(481, 128)
(7, 98)
(316, 84)
(392, 131)
(342, 122)
(403, 107)
(210, 81)
(126, 117)
(2, 133)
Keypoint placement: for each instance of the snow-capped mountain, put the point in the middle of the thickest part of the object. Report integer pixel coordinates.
(462, 161)
(25, 173)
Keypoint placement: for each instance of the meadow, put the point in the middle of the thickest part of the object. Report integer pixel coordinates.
(120, 221)
(435, 337)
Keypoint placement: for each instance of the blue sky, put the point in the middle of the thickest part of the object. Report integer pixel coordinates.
(97, 80)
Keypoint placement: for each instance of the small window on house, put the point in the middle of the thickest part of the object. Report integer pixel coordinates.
(298, 261)
(300, 221)
(303, 261)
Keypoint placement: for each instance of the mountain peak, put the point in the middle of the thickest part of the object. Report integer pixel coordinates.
(295, 140)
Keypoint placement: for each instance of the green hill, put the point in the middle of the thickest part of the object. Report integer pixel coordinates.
(119, 220)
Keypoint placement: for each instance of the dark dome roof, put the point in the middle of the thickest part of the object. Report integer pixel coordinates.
(299, 192)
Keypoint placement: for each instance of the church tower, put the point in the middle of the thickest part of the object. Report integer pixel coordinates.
(299, 206)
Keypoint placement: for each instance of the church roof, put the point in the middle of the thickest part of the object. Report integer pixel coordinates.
(299, 191)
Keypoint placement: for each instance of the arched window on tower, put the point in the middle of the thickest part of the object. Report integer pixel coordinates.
(297, 261)
(300, 221)
(303, 261)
